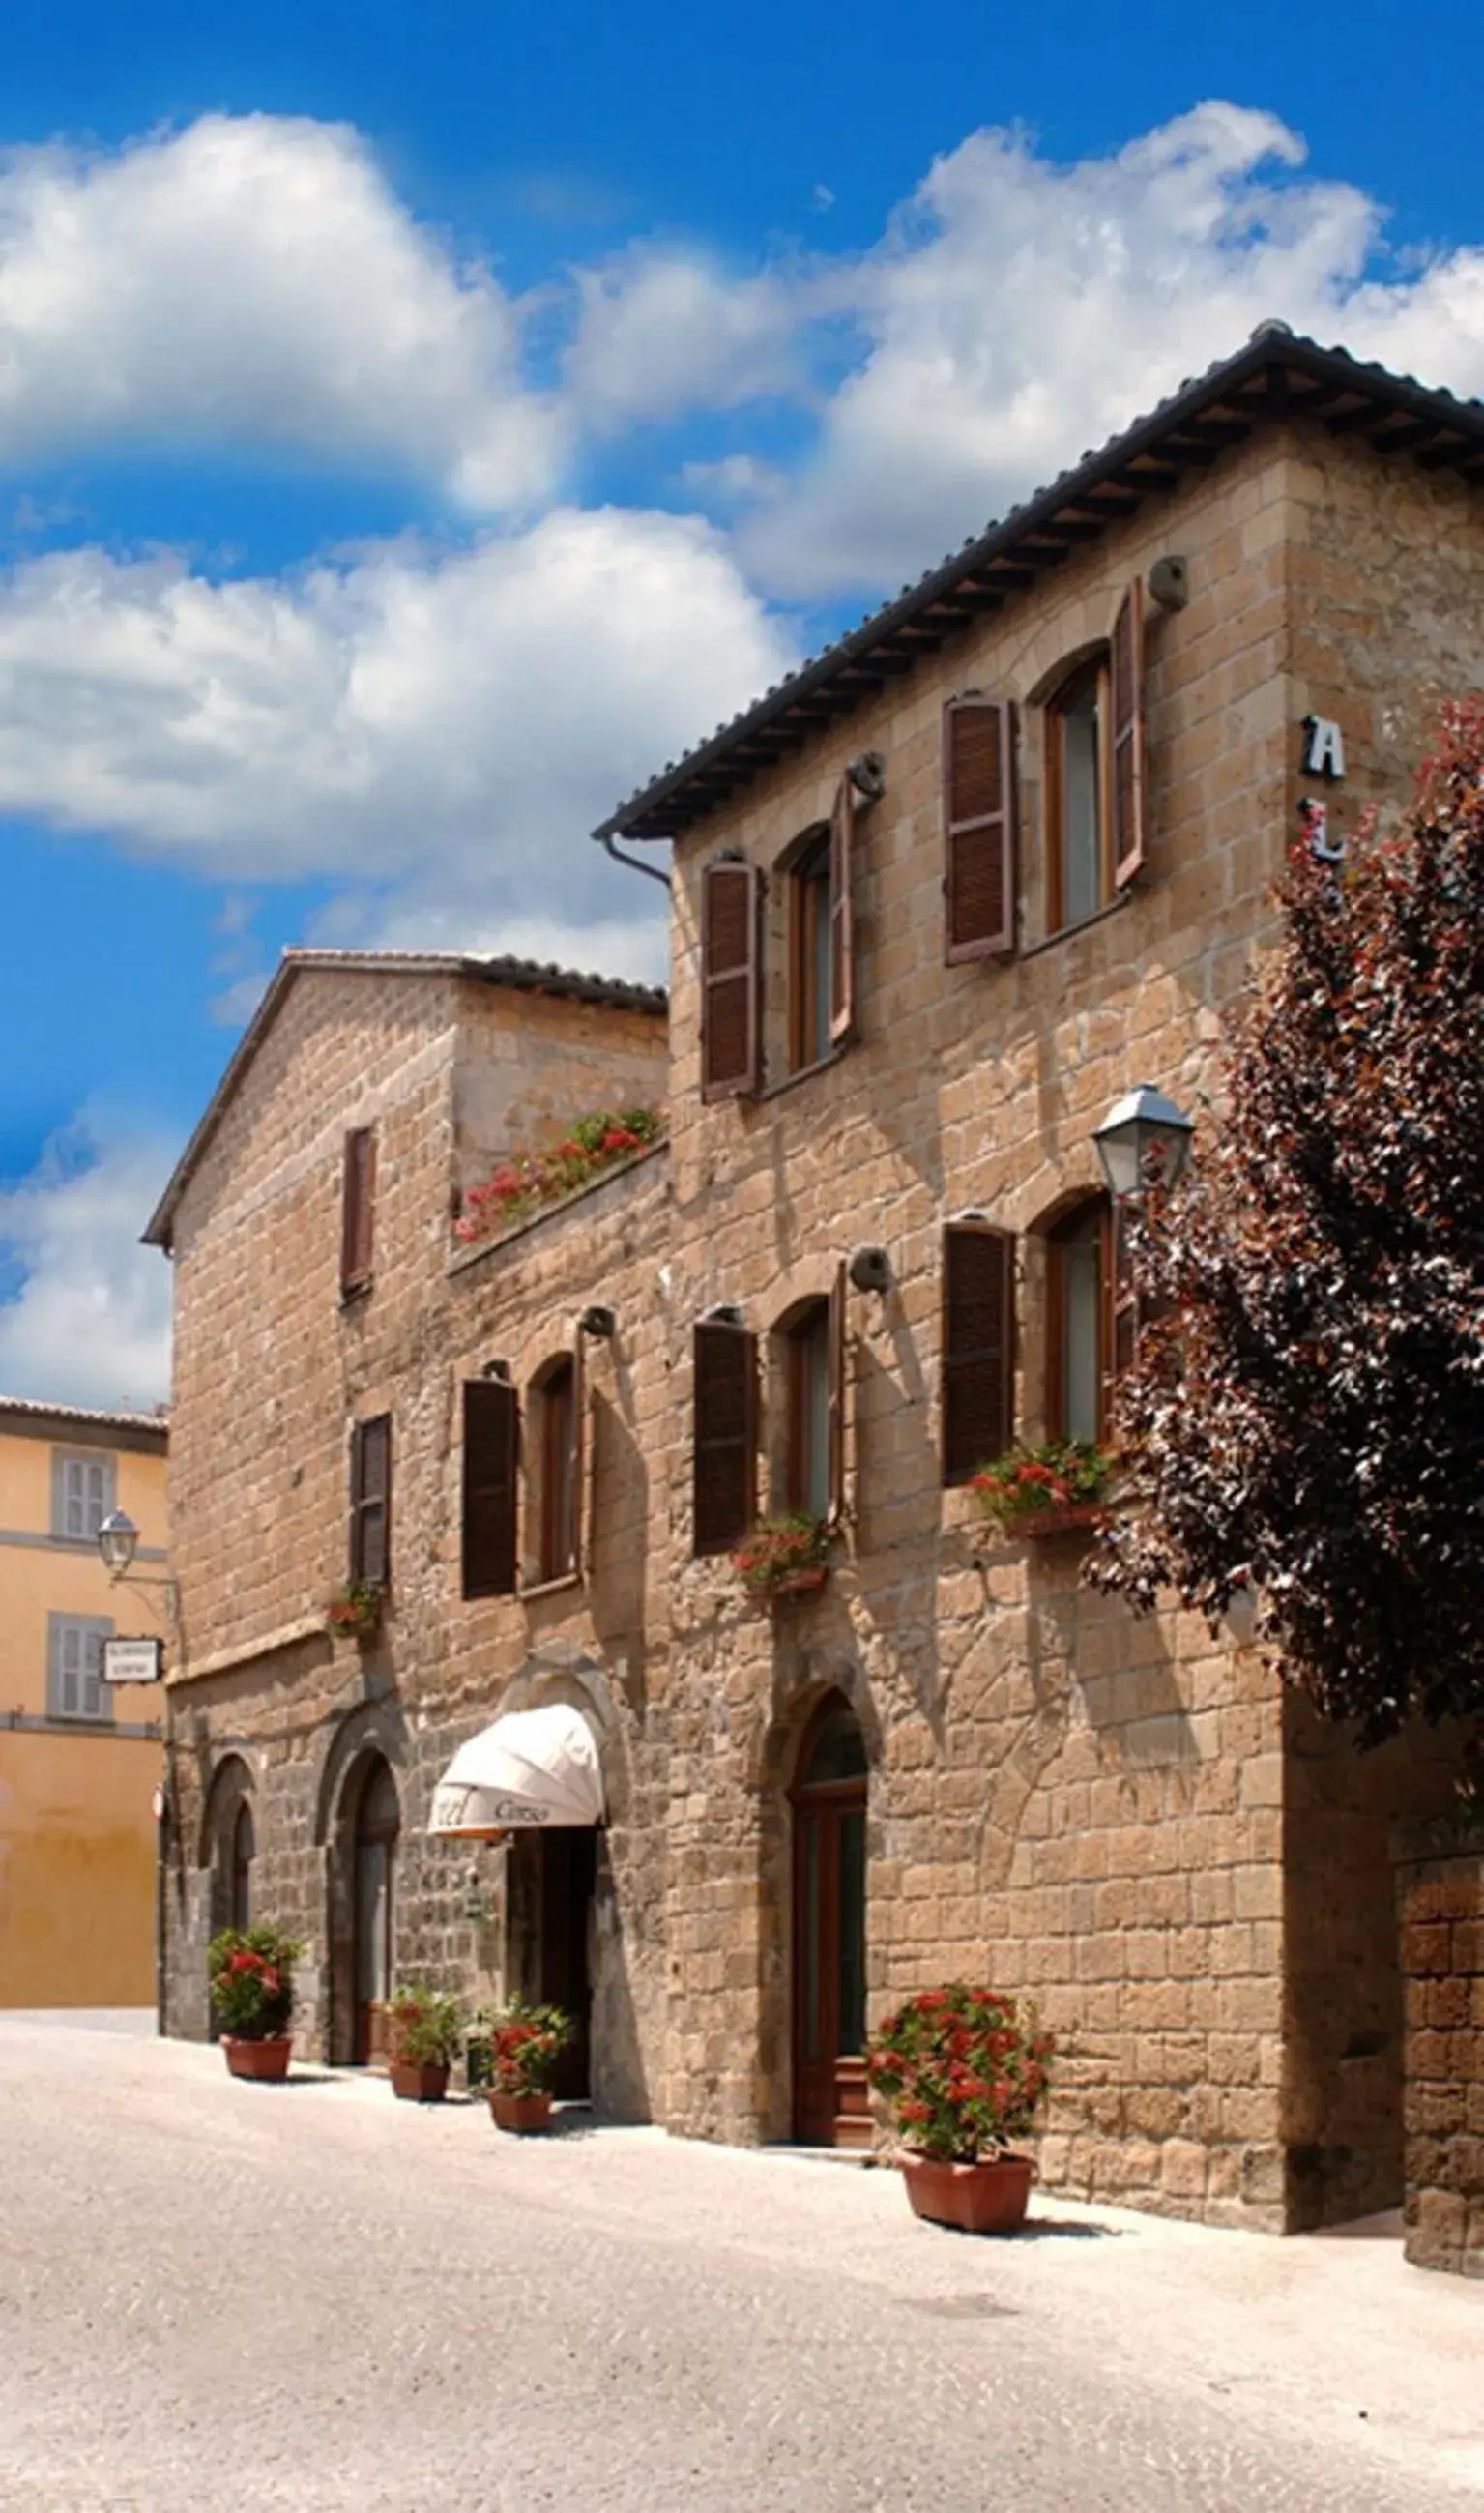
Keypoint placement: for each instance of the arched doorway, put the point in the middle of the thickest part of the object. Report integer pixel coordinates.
(829, 1797)
(377, 1823)
(242, 1850)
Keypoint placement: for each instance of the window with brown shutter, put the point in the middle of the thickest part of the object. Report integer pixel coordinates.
(979, 827)
(837, 1368)
(842, 914)
(491, 1465)
(1126, 704)
(978, 1347)
(730, 989)
(1080, 1321)
(357, 1206)
(370, 1503)
(1078, 862)
(557, 1453)
(725, 1433)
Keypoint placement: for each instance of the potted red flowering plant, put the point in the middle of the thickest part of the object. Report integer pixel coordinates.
(1043, 1490)
(785, 1556)
(525, 2045)
(966, 2070)
(425, 2035)
(252, 1981)
(356, 1607)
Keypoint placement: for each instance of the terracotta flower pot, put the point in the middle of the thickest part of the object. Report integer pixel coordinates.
(267, 2060)
(1075, 1519)
(798, 1583)
(419, 2081)
(526, 2115)
(988, 2198)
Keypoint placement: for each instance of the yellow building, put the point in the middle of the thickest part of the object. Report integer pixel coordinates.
(80, 1760)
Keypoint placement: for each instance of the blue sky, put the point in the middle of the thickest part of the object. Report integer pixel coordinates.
(417, 424)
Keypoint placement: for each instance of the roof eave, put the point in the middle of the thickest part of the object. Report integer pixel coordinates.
(1146, 459)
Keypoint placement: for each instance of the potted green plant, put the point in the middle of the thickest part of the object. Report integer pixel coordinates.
(357, 1609)
(252, 1984)
(785, 1556)
(966, 2070)
(424, 2033)
(1045, 1490)
(525, 2045)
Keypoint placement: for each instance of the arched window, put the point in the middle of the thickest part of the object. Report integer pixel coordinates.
(1078, 1343)
(555, 1469)
(806, 1364)
(1078, 869)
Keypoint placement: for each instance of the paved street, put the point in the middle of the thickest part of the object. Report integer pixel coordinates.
(227, 2296)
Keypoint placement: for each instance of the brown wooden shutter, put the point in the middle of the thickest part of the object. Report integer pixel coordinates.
(979, 827)
(578, 1462)
(725, 1432)
(1126, 707)
(357, 1208)
(842, 913)
(371, 1502)
(838, 1363)
(730, 990)
(977, 1348)
(491, 1465)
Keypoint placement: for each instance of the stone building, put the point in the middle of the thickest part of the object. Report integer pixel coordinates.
(329, 1327)
(938, 900)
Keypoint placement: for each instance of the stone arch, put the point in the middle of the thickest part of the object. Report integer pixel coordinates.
(372, 1727)
(369, 1737)
(228, 1844)
(230, 1782)
(563, 1671)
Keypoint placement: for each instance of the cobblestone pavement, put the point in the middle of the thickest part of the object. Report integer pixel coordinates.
(214, 2297)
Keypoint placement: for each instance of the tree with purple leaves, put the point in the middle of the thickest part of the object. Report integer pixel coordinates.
(1304, 1419)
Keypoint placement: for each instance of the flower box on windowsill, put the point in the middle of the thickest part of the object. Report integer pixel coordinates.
(800, 1584)
(1076, 1519)
(784, 1556)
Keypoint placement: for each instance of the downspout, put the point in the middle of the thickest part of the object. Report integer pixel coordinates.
(635, 863)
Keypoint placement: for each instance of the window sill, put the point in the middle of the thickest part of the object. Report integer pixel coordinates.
(805, 1073)
(1084, 925)
(551, 1587)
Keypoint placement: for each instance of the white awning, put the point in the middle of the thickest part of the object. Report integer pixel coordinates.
(532, 1768)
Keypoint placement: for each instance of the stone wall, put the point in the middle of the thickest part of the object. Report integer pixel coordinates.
(1442, 1906)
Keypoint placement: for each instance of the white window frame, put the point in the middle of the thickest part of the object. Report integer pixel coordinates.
(75, 1688)
(72, 1498)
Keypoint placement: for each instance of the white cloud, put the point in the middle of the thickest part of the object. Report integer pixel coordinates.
(452, 719)
(254, 279)
(1014, 312)
(90, 1322)
(1017, 311)
(660, 333)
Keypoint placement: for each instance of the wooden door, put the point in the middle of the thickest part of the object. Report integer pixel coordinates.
(569, 1866)
(829, 1806)
(378, 1823)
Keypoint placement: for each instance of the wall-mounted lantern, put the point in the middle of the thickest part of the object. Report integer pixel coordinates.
(1143, 1141)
